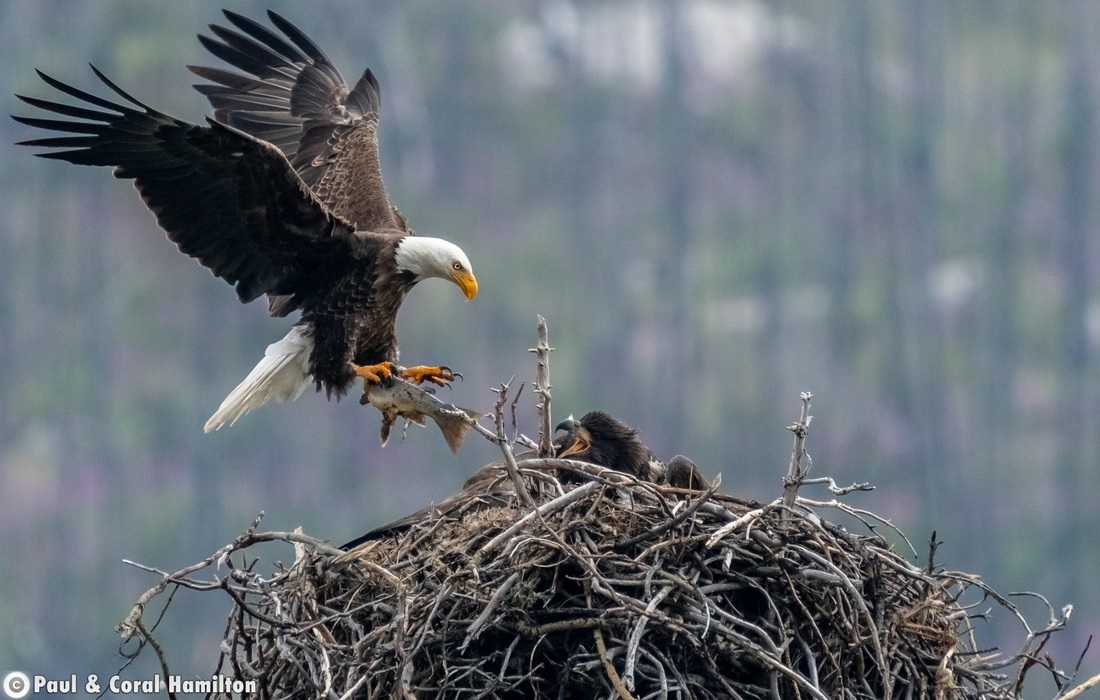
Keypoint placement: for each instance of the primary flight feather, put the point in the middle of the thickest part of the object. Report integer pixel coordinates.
(281, 196)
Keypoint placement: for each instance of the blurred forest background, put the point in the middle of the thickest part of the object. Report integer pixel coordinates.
(716, 205)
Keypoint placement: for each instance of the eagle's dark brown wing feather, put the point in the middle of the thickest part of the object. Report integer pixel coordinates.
(294, 98)
(224, 198)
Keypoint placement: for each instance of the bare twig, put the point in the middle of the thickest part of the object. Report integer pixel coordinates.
(609, 668)
(795, 471)
(476, 626)
(1090, 683)
(839, 490)
(505, 446)
(542, 389)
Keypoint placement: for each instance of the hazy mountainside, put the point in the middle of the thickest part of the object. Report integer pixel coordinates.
(715, 204)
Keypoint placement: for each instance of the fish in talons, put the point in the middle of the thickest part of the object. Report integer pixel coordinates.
(395, 397)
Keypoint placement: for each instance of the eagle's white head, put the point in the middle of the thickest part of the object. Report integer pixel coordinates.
(426, 257)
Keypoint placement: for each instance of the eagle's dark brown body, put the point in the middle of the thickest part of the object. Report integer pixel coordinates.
(365, 338)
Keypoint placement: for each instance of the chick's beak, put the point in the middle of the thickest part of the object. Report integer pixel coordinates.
(467, 282)
(568, 425)
(581, 441)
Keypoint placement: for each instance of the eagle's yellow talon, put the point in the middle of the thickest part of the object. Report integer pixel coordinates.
(373, 374)
(440, 376)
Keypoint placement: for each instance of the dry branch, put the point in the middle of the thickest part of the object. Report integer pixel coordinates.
(796, 473)
(542, 388)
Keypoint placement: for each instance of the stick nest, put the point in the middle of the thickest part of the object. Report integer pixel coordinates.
(611, 587)
(561, 579)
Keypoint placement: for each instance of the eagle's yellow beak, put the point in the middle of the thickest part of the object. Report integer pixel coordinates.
(467, 282)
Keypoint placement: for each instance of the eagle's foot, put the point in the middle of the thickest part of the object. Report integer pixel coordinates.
(440, 376)
(373, 374)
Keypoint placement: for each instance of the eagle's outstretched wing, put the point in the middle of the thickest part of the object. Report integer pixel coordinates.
(294, 98)
(227, 199)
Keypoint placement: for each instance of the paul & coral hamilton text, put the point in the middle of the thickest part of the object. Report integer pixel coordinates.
(115, 685)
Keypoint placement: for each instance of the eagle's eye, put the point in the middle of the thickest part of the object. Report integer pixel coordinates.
(456, 265)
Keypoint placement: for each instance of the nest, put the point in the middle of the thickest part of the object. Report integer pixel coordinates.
(553, 578)
(609, 587)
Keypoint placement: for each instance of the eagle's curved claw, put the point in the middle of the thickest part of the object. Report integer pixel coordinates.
(373, 374)
(440, 376)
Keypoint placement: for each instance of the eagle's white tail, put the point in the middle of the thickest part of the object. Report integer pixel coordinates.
(281, 376)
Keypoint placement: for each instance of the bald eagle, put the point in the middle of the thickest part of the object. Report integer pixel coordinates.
(279, 195)
(597, 438)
